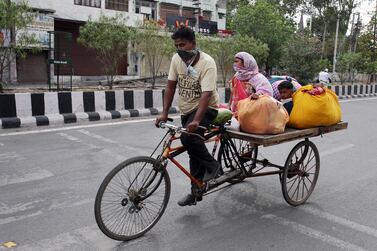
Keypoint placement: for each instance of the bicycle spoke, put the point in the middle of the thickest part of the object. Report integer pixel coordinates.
(132, 199)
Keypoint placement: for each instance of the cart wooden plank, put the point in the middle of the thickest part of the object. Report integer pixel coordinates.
(290, 134)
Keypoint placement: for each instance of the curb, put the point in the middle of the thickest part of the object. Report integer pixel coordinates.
(72, 118)
(22, 110)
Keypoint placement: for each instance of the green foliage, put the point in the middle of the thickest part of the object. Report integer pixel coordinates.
(301, 57)
(231, 7)
(110, 37)
(266, 22)
(251, 45)
(224, 49)
(324, 64)
(156, 45)
(14, 17)
(348, 64)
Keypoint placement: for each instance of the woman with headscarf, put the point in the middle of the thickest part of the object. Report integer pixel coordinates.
(247, 82)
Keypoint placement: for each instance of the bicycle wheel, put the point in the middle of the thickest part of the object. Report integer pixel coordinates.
(132, 198)
(227, 157)
(301, 172)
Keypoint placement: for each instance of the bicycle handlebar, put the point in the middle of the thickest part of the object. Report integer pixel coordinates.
(164, 125)
(179, 129)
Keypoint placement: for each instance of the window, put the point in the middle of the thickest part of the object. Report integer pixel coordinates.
(90, 3)
(147, 8)
(121, 5)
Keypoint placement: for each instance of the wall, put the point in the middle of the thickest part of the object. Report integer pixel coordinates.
(67, 10)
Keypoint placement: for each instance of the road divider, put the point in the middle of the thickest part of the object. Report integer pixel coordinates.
(51, 108)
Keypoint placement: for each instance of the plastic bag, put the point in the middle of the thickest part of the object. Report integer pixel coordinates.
(265, 115)
(314, 110)
(234, 125)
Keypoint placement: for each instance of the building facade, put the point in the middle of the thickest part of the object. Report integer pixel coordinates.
(61, 17)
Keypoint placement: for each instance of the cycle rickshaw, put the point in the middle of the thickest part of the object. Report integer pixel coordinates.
(134, 195)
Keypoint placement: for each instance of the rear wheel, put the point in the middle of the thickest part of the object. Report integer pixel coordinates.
(300, 174)
(132, 198)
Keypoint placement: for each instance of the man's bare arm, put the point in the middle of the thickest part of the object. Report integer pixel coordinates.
(168, 100)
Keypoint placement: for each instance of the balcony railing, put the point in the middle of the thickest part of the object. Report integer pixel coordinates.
(120, 5)
(89, 3)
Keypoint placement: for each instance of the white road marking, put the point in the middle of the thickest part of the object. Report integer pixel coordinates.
(66, 241)
(27, 176)
(4, 209)
(10, 156)
(29, 206)
(96, 136)
(101, 138)
(18, 218)
(77, 140)
(69, 204)
(85, 238)
(357, 100)
(1, 144)
(329, 217)
(336, 150)
(80, 127)
(91, 146)
(313, 233)
(341, 221)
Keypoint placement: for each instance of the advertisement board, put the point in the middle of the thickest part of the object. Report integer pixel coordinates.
(39, 28)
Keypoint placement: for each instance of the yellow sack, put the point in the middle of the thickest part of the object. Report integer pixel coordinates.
(265, 115)
(314, 110)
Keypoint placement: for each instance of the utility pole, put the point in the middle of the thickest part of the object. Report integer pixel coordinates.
(352, 33)
(357, 31)
(197, 11)
(311, 17)
(373, 57)
(12, 58)
(335, 45)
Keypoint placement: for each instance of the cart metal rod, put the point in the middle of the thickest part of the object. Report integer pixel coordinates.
(266, 163)
(265, 173)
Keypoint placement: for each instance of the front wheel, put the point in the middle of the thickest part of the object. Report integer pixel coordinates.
(300, 174)
(132, 198)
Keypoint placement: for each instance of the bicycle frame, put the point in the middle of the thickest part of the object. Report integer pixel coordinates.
(169, 153)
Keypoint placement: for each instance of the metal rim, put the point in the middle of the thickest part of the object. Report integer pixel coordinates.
(125, 208)
(301, 172)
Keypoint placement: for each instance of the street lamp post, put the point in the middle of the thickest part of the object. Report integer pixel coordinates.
(335, 45)
(196, 3)
(336, 34)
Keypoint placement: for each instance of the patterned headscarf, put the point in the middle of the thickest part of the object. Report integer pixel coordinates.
(250, 67)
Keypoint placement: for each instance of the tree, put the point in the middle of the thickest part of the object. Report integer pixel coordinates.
(266, 22)
(231, 10)
(349, 62)
(224, 49)
(253, 46)
(301, 57)
(110, 37)
(156, 45)
(221, 50)
(325, 20)
(14, 17)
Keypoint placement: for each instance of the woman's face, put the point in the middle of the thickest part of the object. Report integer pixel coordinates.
(238, 62)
